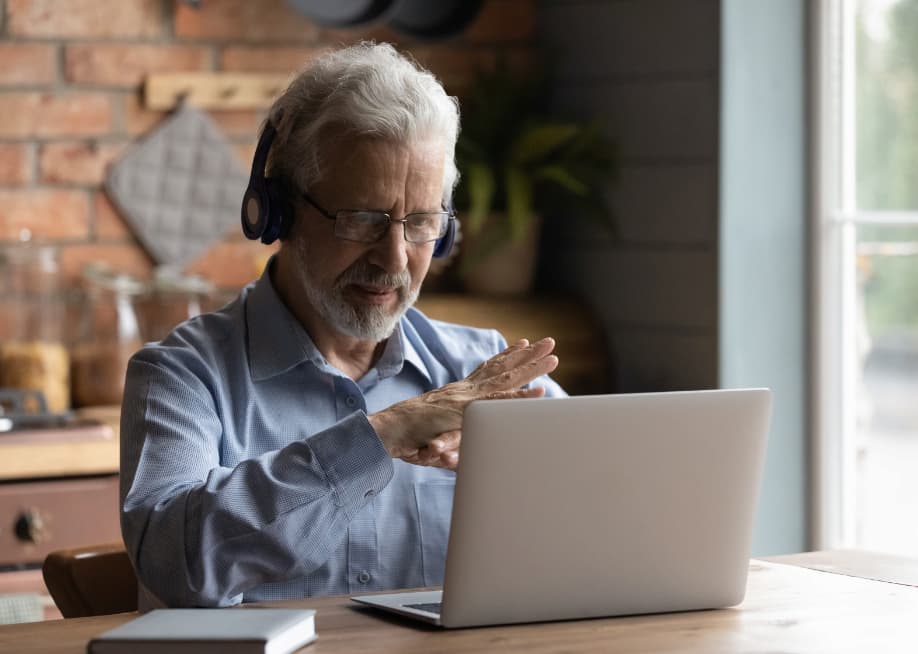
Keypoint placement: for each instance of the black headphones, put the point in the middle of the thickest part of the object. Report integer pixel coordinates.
(265, 215)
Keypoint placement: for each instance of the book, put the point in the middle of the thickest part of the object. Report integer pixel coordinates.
(208, 631)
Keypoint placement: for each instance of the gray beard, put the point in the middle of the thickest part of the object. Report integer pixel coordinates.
(366, 322)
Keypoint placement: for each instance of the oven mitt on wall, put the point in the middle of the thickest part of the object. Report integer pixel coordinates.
(179, 188)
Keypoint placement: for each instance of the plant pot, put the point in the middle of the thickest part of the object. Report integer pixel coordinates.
(509, 268)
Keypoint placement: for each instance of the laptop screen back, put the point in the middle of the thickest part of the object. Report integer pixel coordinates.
(604, 505)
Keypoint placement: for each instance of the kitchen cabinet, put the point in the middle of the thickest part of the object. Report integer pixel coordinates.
(58, 489)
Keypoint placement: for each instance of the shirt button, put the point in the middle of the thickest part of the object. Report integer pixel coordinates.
(364, 577)
(351, 401)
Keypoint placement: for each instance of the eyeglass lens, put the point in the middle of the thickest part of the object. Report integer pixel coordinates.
(370, 226)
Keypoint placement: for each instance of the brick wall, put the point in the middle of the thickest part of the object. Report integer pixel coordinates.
(70, 76)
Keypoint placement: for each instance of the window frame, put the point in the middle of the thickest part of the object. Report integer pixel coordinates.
(835, 219)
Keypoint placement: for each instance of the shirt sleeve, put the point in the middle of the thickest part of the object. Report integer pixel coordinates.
(200, 534)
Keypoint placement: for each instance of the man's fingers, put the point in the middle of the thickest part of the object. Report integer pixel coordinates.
(450, 460)
(517, 354)
(406, 427)
(441, 452)
(501, 369)
(500, 357)
(445, 441)
(518, 393)
(521, 375)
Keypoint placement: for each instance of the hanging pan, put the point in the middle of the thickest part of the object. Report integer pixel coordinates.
(342, 13)
(426, 19)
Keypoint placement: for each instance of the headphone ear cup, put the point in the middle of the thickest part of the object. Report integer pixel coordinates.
(256, 206)
(278, 217)
(257, 202)
(444, 245)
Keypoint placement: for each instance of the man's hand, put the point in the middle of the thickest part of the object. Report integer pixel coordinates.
(426, 430)
(440, 452)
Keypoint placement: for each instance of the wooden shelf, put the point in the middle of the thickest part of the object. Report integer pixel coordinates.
(90, 450)
(218, 91)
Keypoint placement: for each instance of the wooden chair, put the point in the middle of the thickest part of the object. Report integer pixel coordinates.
(92, 580)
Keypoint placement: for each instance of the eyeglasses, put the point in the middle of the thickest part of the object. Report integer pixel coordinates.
(365, 226)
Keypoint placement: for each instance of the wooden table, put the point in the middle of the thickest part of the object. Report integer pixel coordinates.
(788, 608)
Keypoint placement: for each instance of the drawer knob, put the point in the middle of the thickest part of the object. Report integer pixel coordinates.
(31, 527)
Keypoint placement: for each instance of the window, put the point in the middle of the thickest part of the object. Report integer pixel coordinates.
(866, 252)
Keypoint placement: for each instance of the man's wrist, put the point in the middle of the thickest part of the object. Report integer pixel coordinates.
(382, 424)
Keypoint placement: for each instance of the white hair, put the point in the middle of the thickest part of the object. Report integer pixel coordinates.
(367, 89)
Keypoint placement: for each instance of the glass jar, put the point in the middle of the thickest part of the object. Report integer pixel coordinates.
(33, 351)
(173, 298)
(109, 335)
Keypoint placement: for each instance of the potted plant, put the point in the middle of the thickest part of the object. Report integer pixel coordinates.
(520, 164)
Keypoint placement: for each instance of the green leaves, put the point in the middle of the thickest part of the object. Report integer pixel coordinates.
(519, 202)
(536, 142)
(562, 177)
(481, 186)
(516, 159)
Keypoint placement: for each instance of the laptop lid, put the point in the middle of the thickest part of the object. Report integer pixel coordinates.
(604, 505)
(597, 506)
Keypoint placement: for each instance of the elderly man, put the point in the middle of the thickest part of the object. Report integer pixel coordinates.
(302, 440)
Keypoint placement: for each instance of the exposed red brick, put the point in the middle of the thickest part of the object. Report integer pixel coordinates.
(445, 59)
(7, 327)
(44, 114)
(85, 18)
(107, 222)
(15, 164)
(128, 65)
(138, 119)
(503, 20)
(45, 213)
(78, 162)
(252, 59)
(454, 67)
(128, 258)
(233, 262)
(238, 123)
(243, 20)
(379, 32)
(245, 152)
(27, 63)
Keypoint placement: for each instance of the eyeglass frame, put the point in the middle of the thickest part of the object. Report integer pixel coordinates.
(450, 215)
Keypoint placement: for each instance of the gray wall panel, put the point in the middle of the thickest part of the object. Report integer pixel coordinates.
(646, 287)
(650, 118)
(631, 38)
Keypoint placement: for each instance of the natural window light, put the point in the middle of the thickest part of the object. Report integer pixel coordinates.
(866, 241)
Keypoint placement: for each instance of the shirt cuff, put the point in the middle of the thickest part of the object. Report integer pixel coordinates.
(354, 461)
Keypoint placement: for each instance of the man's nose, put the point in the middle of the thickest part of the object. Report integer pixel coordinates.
(391, 251)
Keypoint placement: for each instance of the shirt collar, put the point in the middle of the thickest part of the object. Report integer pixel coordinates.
(411, 354)
(276, 340)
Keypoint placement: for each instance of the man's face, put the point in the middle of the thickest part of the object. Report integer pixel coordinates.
(362, 289)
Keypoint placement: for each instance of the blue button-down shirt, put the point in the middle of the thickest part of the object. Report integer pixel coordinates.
(249, 470)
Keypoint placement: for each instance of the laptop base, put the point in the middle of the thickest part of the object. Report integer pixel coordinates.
(403, 604)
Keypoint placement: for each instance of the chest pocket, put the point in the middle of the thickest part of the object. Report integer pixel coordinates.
(435, 506)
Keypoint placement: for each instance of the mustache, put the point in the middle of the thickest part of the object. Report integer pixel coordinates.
(366, 274)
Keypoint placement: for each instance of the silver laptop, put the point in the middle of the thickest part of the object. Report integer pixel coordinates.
(599, 505)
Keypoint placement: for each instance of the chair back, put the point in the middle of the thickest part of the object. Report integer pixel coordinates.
(91, 580)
